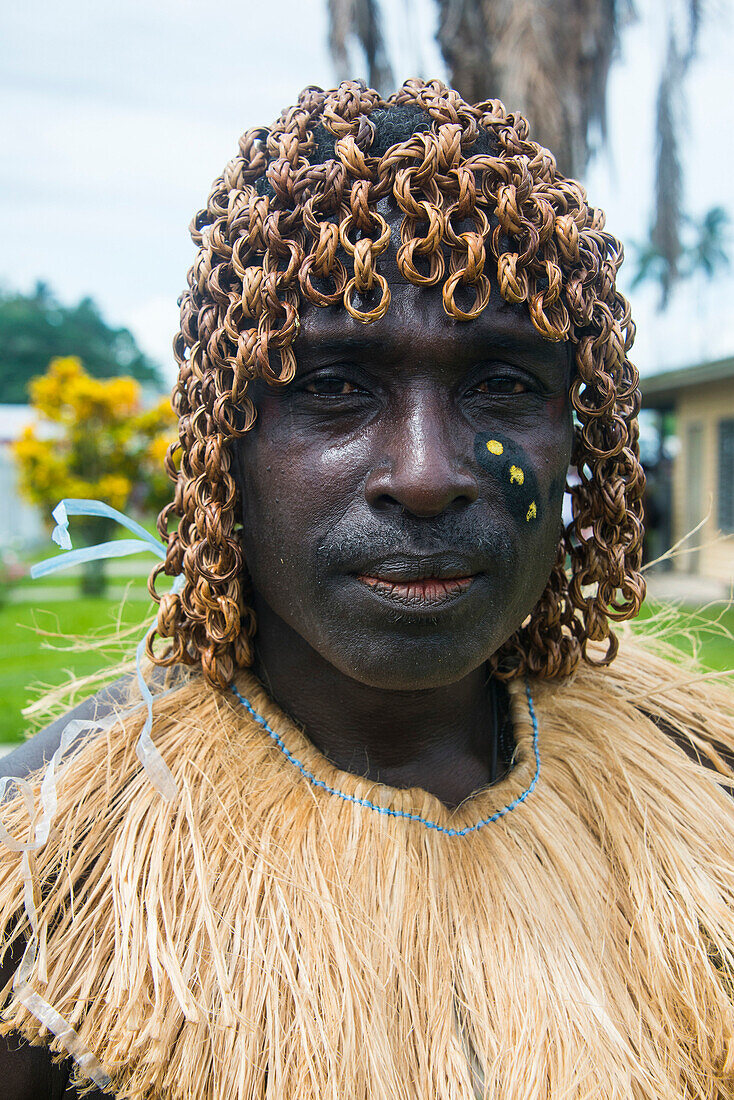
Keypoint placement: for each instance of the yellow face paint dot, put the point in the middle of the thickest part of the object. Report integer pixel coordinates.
(532, 512)
(495, 447)
(517, 477)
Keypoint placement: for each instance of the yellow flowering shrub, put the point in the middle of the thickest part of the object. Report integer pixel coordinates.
(94, 440)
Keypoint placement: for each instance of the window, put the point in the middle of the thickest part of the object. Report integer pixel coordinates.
(726, 475)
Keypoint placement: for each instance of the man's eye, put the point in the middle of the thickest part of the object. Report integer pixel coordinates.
(501, 386)
(330, 387)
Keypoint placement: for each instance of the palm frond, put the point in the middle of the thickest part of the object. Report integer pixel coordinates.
(668, 215)
(708, 252)
(665, 232)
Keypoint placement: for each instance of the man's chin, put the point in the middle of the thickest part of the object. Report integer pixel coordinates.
(405, 668)
(412, 646)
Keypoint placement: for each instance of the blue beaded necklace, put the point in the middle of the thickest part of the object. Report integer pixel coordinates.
(386, 810)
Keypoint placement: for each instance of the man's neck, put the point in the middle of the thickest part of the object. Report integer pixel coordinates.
(440, 739)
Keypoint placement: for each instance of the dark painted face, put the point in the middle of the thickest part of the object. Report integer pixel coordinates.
(402, 497)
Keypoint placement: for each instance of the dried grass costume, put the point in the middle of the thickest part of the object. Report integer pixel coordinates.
(284, 929)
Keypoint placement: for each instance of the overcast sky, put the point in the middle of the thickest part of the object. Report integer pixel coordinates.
(117, 117)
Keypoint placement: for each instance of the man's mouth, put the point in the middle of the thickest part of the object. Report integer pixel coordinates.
(425, 591)
(418, 584)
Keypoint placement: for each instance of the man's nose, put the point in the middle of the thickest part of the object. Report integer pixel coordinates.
(423, 466)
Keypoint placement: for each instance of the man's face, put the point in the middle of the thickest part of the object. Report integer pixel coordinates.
(402, 497)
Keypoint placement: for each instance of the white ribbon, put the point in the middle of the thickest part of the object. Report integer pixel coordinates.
(155, 766)
(149, 756)
(73, 507)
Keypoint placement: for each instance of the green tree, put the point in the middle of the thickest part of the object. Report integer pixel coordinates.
(95, 440)
(35, 328)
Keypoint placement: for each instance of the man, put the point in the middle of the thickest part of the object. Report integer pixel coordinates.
(439, 842)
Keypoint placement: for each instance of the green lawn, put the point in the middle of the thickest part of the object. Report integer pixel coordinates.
(30, 641)
(705, 632)
(31, 653)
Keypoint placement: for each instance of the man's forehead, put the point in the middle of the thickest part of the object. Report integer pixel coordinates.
(418, 310)
(416, 315)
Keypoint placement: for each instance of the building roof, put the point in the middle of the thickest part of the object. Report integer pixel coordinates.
(660, 391)
(14, 419)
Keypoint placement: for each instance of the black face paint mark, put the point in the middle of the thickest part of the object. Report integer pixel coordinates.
(511, 470)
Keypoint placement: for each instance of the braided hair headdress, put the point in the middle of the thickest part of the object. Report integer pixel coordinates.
(294, 217)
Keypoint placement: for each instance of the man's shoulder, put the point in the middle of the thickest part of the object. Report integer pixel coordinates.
(38, 750)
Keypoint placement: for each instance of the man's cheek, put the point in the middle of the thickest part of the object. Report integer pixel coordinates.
(556, 490)
(282, 532)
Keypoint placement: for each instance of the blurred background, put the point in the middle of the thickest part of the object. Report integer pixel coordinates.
(118, 117)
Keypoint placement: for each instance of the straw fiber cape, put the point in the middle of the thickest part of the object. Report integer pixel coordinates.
(261, 937)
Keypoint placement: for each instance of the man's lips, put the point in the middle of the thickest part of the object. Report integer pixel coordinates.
(422, 591)
(419, 582)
